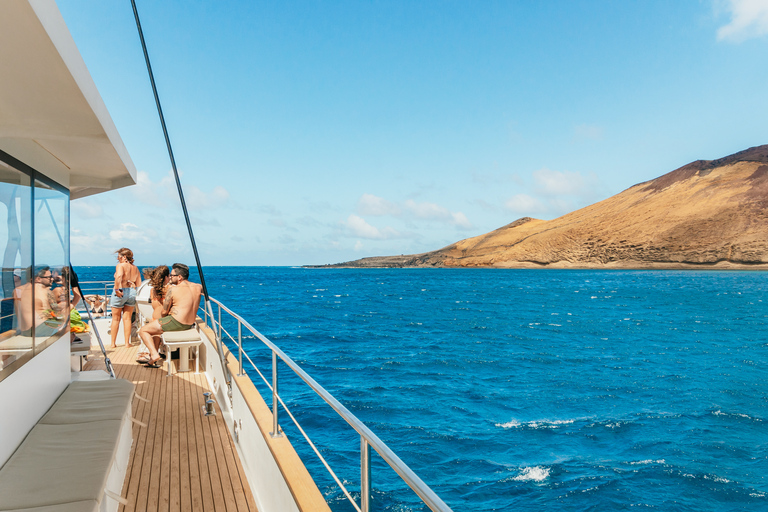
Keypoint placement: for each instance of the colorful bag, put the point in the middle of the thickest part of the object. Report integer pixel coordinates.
(76, 323)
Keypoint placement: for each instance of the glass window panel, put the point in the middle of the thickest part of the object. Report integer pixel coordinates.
(51, 293)
(15, 277)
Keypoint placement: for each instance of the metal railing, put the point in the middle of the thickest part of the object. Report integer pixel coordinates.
(102, 288)
(368, 439)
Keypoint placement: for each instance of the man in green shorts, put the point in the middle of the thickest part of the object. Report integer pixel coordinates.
(179, 310)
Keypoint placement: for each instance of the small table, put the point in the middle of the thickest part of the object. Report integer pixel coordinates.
(81, 350)
(182, 340)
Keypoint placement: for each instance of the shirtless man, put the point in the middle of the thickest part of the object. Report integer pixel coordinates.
(42, 315)
(179, 310)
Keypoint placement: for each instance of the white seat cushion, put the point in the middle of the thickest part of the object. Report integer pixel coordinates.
(179, 336)
(58, 464)
(87, 401)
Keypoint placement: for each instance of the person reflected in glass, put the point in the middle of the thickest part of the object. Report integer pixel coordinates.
(39, 311)
(123, 299)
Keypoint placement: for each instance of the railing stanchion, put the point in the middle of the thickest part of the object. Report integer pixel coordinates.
(240, 345)
(365, 475)
(219, 320)
(275, 402)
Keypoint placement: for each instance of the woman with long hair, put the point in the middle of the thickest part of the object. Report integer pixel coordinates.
(158, 281)
(123, 299)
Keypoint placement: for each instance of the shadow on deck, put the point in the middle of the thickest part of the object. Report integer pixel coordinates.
(182, 460)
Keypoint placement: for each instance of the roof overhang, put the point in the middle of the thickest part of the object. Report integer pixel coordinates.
(51, 115)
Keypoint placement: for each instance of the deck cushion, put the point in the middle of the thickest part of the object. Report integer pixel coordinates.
(77, 506)
(178, 336)
(87, 401)
(59, 464)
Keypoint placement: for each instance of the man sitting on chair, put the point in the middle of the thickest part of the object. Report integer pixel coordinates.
(179, 310)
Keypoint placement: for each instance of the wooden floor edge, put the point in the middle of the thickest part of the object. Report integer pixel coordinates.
(302, 486)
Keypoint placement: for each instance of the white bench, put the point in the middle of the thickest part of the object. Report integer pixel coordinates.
(76, 455)
(182, 340)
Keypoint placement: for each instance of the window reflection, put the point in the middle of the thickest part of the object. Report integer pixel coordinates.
(51, 214)
(16, 251)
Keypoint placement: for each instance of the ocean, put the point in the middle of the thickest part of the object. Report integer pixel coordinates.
(523, 389)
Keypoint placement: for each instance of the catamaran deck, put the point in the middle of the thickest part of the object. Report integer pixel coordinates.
(182, 460)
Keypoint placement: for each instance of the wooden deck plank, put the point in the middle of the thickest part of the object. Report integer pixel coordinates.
(185, 502)
(154, 449)
(196, 494)
(143, 450)
(174, 499)
(227, 461)
(164, 477)
(206, 485)
(217, 493)
(182, 460)
(214, 451)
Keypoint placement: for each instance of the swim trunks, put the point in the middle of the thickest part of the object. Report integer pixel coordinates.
(128, 298)
(168, 323)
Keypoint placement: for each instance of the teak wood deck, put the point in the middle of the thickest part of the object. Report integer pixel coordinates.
(182, 460)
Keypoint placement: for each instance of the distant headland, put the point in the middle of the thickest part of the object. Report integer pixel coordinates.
(707, 214)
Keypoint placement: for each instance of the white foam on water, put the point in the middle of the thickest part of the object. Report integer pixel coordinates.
(647, 461)
(535, 424)
(534, 474)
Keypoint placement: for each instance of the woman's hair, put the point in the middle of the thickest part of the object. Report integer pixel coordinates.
(147, 272)
(124, 251)
(158, 279)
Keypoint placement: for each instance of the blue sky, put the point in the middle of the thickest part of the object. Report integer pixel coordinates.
(320, 132)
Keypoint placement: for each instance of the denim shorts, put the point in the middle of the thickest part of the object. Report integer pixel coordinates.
(128, 298)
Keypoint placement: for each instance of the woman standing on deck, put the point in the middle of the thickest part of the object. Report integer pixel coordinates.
(123, 299)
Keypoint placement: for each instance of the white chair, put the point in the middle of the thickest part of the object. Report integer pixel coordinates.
(182, 340)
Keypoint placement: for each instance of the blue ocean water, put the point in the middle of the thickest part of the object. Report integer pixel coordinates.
(525, 389)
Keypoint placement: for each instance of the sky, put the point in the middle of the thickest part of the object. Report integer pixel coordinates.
(311, 132)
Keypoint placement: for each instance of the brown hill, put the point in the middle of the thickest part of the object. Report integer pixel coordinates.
(709, 213)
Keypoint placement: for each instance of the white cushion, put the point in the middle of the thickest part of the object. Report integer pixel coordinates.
(176, 336)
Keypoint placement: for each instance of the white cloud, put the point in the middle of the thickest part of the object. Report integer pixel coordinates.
(461, 220)
(213, 199)
(749, 19)
(358, 227)
(358, 246)
(368, 204)
(557, 183)
(86, 209)
(588, 132)
(524, 204)
(128, 232)
(555, 193)
(163, 193)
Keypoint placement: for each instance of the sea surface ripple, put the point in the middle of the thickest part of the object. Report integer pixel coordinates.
(525, 389)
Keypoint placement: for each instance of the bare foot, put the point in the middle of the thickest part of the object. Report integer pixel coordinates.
(113, 346)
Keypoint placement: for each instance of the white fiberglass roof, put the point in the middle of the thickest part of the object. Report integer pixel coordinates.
(51, 114)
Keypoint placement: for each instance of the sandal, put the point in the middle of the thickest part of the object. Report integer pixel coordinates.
(142, 360)
(157, 363)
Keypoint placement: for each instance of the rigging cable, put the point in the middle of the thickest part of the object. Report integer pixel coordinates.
(208, 307)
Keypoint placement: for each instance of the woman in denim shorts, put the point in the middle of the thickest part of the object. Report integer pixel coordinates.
(123, 299)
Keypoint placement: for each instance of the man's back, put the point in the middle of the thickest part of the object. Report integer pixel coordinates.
(185, 299)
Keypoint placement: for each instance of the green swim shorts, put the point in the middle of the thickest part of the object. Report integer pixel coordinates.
(168, 323)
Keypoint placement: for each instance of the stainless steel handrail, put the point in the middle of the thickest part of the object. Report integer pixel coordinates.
(367, 437)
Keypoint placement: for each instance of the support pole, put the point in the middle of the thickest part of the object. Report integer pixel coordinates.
(275, 402)
(365, 475)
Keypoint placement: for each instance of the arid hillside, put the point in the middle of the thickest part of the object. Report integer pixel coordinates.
(707, 214)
